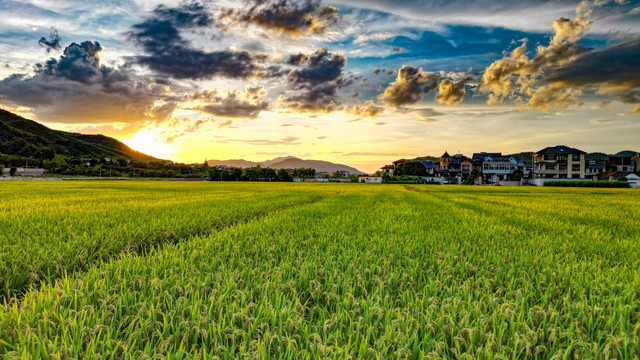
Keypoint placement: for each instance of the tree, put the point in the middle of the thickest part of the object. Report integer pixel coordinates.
(12, 171)
(517, 175)
(472, 177)
(283, 175)
(236, 174)
(411, 168)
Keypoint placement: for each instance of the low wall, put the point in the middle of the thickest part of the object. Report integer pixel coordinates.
(509, 183)
(540, 182)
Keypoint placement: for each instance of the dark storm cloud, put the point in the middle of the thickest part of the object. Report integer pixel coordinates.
(76, 88)
(614, 70)
(614, 66)
(293, 17)
(169, 53)
(79, 62)
(53, 42)
(316, 82)
(297, 59)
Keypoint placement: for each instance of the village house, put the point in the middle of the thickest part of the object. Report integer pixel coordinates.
(429, 165)
(594, 167)
(620, 163)
(455, 165)
(387, 169)
(559, 162)
(497, 168)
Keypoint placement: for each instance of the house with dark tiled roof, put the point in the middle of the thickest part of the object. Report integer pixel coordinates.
(559, 162)
(455, 165)
(482, 155)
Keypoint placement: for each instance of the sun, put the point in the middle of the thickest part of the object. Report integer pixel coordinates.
(151, 143)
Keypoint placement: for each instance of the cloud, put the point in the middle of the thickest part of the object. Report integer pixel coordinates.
(53, 42)
(288, 140)
(553, 64)
(313, 86)
(76, 88)
(233, 104)
(451, 93)
(79, 62)
(292, 17)
(614, 70)
(427, 114)
(169, 53)
(368, 109)
(409, 86)
(553, 97)
(364, 38)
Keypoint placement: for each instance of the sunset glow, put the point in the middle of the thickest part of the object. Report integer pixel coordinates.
(356, 82)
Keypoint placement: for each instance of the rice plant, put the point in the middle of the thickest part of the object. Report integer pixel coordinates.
(359, 272)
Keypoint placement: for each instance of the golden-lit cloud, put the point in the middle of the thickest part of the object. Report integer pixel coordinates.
(450, 92)
(233, 103)
(369, 109)
(553, 97)
(409, 86)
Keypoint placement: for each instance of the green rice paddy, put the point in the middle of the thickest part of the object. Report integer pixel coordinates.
(174, 270)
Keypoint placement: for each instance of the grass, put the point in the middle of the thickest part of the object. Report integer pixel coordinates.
(356, 271)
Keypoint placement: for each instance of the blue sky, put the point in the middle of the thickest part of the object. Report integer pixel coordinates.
(358, 82)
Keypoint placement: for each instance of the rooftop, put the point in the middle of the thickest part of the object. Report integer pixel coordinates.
(559, 149)
(483, 155)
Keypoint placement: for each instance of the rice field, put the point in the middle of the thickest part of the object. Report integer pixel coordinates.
(162, 270)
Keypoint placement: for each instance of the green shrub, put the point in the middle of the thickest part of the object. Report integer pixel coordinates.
(600, 184)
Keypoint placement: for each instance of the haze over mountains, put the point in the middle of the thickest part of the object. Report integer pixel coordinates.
(288, 162)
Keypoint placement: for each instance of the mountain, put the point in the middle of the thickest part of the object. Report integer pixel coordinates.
(240, 163)
(318, 165)
(629, 153)
(598, 156)
(288, 162)
(23, 137)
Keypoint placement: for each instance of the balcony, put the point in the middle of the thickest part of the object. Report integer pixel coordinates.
(557, 161)
(550, 171)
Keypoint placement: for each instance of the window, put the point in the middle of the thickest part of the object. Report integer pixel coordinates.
(575, 157)
(575, 167)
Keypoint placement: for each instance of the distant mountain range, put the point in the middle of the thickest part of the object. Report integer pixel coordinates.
(288, 162)
(23, 137)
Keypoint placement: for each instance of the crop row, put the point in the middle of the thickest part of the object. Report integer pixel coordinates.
(52, 229)
(367, 272)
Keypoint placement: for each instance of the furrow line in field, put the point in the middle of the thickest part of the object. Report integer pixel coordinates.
(22, 274)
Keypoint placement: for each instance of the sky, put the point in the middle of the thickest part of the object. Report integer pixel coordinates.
(358, 82)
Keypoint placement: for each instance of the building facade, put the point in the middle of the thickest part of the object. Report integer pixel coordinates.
(559, 162)
(500, 168)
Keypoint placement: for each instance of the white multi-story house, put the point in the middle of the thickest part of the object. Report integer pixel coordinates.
(496, 168)
(559, 162)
